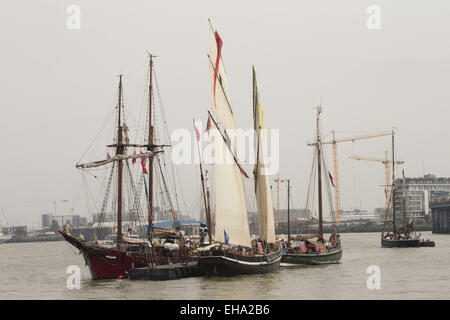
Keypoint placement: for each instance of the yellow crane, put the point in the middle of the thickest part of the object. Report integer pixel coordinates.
(387, 170)
(334, 142)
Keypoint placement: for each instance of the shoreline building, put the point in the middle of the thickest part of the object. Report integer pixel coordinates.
(74, 220)
(420, 192)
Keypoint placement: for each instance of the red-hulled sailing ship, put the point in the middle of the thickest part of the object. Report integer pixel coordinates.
(137, 247)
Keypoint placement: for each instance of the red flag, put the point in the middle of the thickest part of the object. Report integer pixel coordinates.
(208, 126)
(219, 49)
(134, 159)
(243, 172)
(197, 132)
(331, 179)
(144, 169)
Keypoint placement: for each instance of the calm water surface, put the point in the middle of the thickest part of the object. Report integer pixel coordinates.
(38, 271)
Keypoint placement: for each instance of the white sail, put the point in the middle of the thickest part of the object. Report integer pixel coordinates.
(117, 157)
(219, 93)
(262, 186)
(230, 207)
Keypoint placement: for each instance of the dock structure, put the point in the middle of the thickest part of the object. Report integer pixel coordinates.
(441, 216)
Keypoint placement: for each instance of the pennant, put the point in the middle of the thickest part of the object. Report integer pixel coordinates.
(144, 169)
(219, 49)
(134, 159)
(197, 132)
(331, 179)
(208, 126)
(243, 172)
(227, 238)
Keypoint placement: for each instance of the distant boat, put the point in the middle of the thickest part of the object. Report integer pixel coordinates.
(313, 248)
(4, 237)
(393, 236)
(135, 247)
(232, 252)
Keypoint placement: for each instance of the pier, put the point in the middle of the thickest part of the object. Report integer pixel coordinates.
(441, 216)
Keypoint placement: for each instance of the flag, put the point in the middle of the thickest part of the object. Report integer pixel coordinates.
(144, 169)
(227, 238)
(134, 159)
(219, 49)
(197, 132)
(243, 172)
(331, 179)
(208, 126)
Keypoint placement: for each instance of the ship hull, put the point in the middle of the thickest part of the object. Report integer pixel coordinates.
(293, 259)
(105, 263)
(229, 264)
(398, 243)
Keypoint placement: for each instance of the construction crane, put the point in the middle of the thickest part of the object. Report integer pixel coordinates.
(334, 142)
(387, 170)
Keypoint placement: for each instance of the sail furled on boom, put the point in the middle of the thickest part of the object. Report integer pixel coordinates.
(262, 186)
(230, 207)
(117, 157)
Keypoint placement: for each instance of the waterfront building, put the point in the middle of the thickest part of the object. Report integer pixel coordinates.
(73, 220)
(419, 194)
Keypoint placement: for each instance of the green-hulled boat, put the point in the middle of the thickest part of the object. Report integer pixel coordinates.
(313, 248)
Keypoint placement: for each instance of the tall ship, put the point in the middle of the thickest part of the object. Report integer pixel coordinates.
(232, 251)
(394, 234)
(140, 245)
(314, 248)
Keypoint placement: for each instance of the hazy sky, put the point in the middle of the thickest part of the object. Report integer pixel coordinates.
(57, 86)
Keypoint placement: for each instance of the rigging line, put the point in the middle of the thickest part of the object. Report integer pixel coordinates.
(166, 190)
(135, 216)
(86, 192)
(104, 205)
(167, 137)
(329, 194)
(95, 138)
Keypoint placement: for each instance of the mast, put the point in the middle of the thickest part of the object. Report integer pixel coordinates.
(404, 205)
(119, 151)
(208, 213)
(393, 185)
(289, 212)
(205, 196)
(319, 172)
(150, 147)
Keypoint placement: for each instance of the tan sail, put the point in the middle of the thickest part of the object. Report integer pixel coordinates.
(262, 186)
(230, 207)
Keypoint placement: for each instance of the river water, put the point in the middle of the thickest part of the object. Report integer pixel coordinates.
(39, 271)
